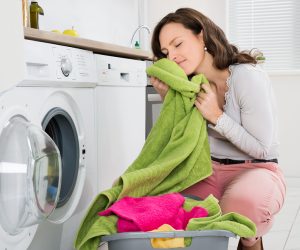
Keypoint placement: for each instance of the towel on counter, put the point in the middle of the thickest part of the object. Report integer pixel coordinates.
(175, 156)
(148, 213)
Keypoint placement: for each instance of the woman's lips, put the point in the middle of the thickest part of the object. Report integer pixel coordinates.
(181, 62)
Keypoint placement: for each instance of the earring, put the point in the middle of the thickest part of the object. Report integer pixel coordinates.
(205, 49)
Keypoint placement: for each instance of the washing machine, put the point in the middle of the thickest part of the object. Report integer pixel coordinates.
(120, 115)
(48, 170)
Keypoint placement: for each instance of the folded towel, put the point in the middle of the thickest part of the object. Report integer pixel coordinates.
(166, 242)
(148, 213)
(175, 156)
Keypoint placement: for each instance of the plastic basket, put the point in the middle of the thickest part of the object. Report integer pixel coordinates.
(201, 240)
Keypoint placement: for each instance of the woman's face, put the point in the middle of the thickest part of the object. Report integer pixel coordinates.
(182, 46)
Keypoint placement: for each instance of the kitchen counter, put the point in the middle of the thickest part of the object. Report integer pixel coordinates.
(82, 43)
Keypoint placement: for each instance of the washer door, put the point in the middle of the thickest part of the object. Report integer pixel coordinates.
(30, 177)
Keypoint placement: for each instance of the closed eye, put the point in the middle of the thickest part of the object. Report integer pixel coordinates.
(177, 45)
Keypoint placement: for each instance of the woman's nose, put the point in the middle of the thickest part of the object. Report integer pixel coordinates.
(172, 56)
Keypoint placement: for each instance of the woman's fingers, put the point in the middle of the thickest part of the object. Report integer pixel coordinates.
(198, 104)
(155, 82)
(207, 88)
(164, 86)
(207, 103)
(159, 86)
(201, 96)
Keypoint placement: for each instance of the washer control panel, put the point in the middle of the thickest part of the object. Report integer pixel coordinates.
(58, 65)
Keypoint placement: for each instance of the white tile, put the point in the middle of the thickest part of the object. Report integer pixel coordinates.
(293, 181)
(292, 192)
(233, 242)
(232, 247)
(275, 240)
(294, 236)
(103, 246)
(296, 226)
(293, 243)
(284, 220)
(281, 225)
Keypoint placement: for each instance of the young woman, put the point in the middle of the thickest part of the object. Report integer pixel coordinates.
(239, 107)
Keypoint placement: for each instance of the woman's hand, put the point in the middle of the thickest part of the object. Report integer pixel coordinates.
(207, 104)
(159, 86)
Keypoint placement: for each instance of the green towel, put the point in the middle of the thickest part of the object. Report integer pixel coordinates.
(215, 220)
(175, 156)
(233, 222)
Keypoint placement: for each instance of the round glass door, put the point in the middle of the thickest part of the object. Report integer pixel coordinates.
(30, 175)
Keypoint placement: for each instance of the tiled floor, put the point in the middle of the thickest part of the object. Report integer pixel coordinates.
(285, 234)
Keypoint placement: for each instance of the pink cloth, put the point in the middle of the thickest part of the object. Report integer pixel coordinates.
(149, 213)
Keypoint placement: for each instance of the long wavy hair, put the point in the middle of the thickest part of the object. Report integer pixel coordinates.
(224, 53)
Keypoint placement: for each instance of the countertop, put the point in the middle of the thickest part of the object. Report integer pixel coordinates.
(82, 43)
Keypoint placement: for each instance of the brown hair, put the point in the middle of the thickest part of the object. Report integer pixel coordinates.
(224, 53)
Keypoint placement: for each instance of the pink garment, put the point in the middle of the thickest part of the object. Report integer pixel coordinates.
(149, 213)
(256, 190)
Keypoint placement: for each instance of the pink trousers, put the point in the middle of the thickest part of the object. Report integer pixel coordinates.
(256, 190)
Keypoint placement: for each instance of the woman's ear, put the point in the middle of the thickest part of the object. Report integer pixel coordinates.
(200, 36)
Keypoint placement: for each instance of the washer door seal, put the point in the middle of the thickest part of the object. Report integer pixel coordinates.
(59, 125)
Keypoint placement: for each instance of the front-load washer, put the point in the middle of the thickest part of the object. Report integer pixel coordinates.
(48, 171)
(120, 115)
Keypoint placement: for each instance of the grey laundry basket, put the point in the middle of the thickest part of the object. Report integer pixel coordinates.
(201, 240)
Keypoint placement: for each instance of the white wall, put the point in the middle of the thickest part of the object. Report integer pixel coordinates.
(106, 21)
(286, 87)
(12, 67)
(214, 9)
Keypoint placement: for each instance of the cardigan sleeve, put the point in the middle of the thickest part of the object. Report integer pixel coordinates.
(253, 135)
